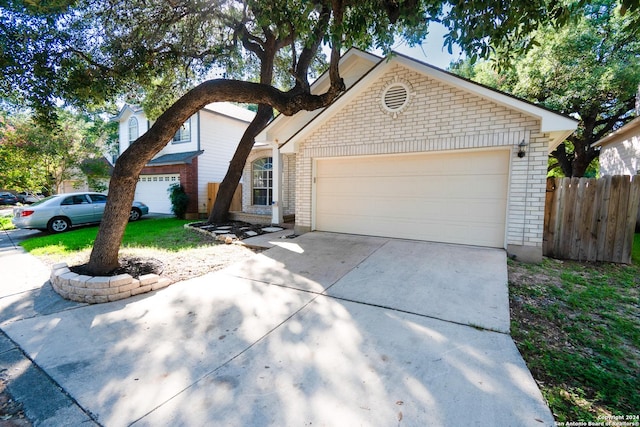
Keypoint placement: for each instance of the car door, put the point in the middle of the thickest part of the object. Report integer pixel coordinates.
(78, 208)
(99, 202)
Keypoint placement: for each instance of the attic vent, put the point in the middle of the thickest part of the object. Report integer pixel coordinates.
(395, 97)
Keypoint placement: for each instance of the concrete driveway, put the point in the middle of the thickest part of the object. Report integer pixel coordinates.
(324, 329)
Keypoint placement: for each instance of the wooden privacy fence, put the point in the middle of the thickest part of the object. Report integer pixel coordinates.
(212, 193)
(591, 220)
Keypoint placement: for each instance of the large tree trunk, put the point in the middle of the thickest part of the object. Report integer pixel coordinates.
(220, 211)
(575, 163)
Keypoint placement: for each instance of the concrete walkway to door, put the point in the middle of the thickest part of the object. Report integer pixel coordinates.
(324, 329)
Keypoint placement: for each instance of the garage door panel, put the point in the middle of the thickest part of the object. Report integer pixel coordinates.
(456, 198)
(152, 190)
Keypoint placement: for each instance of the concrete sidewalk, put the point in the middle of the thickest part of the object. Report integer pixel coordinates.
(325, 329)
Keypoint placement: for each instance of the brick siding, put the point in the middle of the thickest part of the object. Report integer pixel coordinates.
(188, 179)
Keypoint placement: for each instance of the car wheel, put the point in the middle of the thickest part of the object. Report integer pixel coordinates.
(58, 224)
(135, 214)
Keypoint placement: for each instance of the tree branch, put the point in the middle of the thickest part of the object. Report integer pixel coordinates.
(309, 51)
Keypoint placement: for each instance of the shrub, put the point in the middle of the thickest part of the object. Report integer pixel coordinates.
(179, 200)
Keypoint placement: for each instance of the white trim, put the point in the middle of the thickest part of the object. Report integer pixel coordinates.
(314, 202)
(352, 58)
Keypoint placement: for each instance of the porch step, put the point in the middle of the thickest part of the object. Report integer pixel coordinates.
(257, 218)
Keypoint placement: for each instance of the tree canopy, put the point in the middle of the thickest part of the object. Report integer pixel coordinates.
(163, 53)
(34, 157)
(86, 52)
(589, 69)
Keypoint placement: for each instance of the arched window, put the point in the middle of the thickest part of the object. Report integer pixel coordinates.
(133, 129)
(262, 171)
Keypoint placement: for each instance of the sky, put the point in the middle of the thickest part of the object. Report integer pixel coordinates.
(432, 50)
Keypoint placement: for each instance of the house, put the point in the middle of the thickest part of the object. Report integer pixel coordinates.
(92, 175)
(269, 197)
(410, 151)
(620, 153)
(197, 155)
(620, 150)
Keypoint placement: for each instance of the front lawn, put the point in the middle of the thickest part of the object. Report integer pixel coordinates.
(185, 253)
(577, 326)
(163, 233)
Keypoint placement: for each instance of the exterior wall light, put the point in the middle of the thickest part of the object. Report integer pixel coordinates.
(522, 149)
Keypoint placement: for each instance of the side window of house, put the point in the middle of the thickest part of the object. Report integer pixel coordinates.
(184, 133)
(133, 129)
(262, 183)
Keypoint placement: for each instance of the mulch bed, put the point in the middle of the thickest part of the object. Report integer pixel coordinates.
(134, 266)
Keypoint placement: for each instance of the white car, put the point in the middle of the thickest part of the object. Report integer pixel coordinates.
(60, 212)
(28, 197)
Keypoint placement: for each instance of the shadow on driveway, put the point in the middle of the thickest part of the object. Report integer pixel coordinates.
(275, 341)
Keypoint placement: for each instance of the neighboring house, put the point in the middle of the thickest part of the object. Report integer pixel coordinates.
(198, 154)
(620, 153)
(410, 151)
(81, 180)
(620, 150)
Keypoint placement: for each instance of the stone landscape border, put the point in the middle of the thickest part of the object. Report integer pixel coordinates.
(101, 289)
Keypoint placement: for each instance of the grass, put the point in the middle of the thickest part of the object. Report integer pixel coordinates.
(164, 233)
(635, 252)
(5, 223)
(577, 326)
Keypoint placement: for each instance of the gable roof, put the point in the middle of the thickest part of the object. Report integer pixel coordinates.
(126, 108)
(557, 125)
(633, 127)
(231, 110)
(224, 108)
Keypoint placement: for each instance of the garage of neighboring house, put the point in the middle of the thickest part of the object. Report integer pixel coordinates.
(154, 191)
(161, 173)
(411, 151)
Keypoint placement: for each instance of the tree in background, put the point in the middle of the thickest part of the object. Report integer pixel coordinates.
(40, 158)
(590, 70)
(87, 52)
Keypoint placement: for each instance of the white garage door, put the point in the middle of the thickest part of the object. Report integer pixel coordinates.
(442, 197)
(152, 190)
